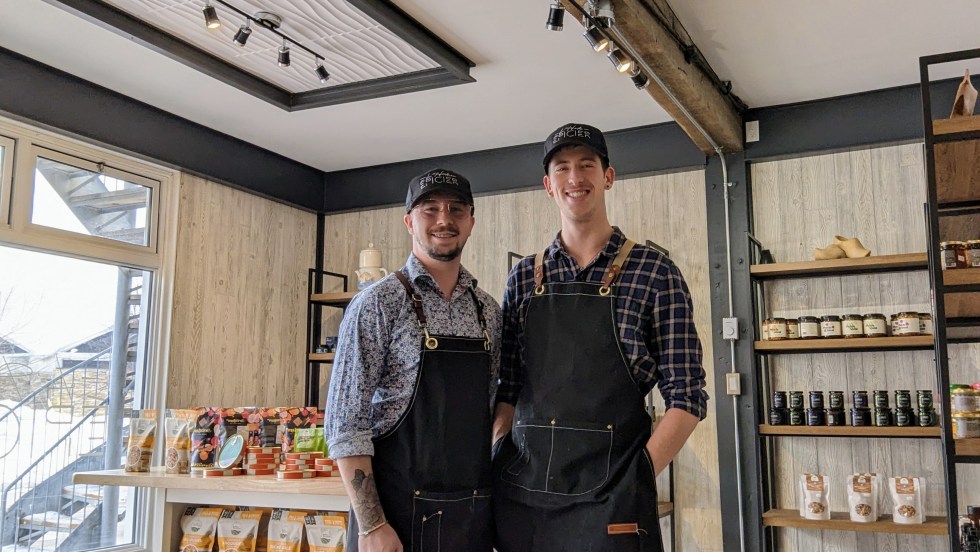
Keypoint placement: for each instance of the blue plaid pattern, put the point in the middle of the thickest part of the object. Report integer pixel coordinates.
(654, 317)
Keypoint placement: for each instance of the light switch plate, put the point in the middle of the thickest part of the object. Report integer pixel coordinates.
(752, 131)
(733, 383)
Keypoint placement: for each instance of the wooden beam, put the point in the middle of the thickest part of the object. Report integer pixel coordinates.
(694, 90)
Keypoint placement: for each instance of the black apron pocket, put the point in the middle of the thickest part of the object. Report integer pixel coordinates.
(560, 457)
(447, 522)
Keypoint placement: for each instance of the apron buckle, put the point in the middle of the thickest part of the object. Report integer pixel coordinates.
(430, 342)
(539, 290)
(604, 290)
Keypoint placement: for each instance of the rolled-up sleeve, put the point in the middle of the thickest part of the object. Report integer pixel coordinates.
(676, 346)
(357, 370)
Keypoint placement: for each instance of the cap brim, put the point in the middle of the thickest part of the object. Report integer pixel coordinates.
(427, 193)
(572, 142)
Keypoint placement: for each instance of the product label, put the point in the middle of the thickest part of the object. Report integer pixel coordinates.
(809, 329)
(874, 326)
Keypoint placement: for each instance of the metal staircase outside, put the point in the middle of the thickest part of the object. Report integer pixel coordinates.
(40, 509)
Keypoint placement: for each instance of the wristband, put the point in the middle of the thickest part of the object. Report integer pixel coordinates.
(371, 530)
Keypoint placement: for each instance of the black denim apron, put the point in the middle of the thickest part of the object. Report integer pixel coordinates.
(433, 467)
(574, 474)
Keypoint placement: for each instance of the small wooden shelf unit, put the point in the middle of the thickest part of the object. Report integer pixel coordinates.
(841, 521)
(333, 299)
(840, 267)
(850, 431)
(845, 345)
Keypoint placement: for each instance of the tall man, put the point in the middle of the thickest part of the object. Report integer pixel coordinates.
(409, 408)
(590, 326)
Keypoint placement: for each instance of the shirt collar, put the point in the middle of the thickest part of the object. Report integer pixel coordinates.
(418, 274)
(611, 249)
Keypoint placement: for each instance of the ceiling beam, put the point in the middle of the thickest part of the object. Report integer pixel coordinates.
(702, 103)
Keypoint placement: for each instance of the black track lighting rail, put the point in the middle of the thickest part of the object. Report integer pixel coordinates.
(271, 29)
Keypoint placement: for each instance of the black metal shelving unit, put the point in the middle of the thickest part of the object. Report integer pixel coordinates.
(938, 134)
(316, 302)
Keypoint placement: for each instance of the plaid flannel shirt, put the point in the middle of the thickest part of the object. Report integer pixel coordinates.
(654, 319)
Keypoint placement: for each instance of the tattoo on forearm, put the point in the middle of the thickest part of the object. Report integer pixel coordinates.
(367, 505)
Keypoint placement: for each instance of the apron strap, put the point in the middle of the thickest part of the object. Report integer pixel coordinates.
(481, 318)
(616, 267)
(431, 342)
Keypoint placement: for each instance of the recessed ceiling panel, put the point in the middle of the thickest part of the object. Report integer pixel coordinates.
(356, 48)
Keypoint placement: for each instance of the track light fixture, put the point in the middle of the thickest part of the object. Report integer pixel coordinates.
(620, 60)
(211, 16)
(284, 54)
(556, 17)
(640, 81)
(321, 72)
(596, 39)
(241, 37)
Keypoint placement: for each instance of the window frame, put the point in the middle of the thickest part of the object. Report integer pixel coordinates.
(159, 258)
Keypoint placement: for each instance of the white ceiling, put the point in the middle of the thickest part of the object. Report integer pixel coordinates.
(529, 80)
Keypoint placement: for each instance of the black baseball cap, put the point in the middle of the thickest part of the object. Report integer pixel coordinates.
(438, 180)
(576, 134)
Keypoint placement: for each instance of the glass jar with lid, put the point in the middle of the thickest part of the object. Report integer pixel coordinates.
(925, 323)
(792, 328)
(809, 327)
(830, 326)
(907, 324)
(966, 425)
(953, 254)
(852, 325)
(777, 329)
(973, 254)
(875, 325)
(965, 399)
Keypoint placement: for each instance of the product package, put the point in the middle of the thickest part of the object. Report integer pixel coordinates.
(142, 434)
(238, 530)
(254, 437)
(204, 442)
(177, 430)
(908, 499)
(309, 439)
(268, 433)
(199, 526)
(863, 490)
(232, 421)
(286, 531)
(814, 496)
(295, 418)
(262, 537)
(326, 533)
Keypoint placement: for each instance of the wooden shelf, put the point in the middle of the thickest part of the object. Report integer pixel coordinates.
(913, 432)
(841, 521)
(841, 267)
(156, 478)
(334, 299)
(958, 124)
(961, 277)
(321, 357)
(967, 447)
(790, 346)
(664, 509)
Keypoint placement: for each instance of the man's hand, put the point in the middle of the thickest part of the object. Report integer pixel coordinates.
(382, 539)
(503, 421)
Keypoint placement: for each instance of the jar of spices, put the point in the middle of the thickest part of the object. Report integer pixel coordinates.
(893, 324)
(966, 425)
(881, 398)
(779, 399)
(907, 324)
(778, 416)
(765, 329)
(816, 400)
(796, 417)
(875, 325)
(953, 254)
(853, 325)
(973, 254)
(905, 417)
(835, 400)
(809, 327)
(925, 323)
(816, 417)
(927, 417)
(859, 399)
(835, 417)
(860, 417)
(883, 417)
(792, 328)
(830, 326)
(796, 399)
(903, 398)
(966, 400)
(777, 329)
(923, 398)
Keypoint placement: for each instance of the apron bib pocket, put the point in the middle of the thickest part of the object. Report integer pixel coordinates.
(560, 457)
(446, 522)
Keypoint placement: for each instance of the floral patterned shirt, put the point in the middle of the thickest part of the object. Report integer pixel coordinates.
(378, 354)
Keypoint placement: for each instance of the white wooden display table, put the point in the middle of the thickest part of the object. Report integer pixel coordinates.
(176, 492)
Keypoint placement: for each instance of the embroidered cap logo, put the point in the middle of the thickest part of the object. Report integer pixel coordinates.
(439, 177)
(571, 131)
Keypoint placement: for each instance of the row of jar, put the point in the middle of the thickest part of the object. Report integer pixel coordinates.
(859, 399)
(847, 326)
(960, 254)
(860, 417)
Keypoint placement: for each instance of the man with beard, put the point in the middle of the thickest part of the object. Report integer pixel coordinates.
(591, 324)
(409, 408)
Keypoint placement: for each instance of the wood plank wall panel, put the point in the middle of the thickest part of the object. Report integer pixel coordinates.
(668, 209)
(799, 204)
(239, 323)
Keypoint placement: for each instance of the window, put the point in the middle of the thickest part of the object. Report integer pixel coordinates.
(83, 307)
